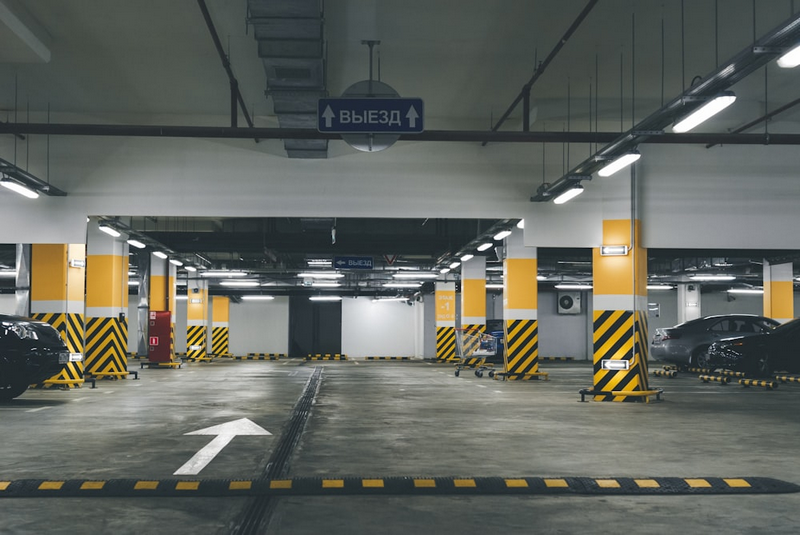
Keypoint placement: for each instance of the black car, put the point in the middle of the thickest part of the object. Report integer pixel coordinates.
(762, 354)
(30, 352)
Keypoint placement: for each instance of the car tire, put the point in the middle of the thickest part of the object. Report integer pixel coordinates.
(762, 367)
(700, 358)
(9, 389)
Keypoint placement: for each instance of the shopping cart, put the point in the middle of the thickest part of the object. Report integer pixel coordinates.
(473, 349)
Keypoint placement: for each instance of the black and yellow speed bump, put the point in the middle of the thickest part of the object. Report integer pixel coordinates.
(387, 358)
(326, 356)
(339, 486)
(787, 378)
(665, 373)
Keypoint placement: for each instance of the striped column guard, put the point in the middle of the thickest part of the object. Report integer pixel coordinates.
(620, 335)
(70, 326)
(106, 341)
(219, 340)
(522, 349)
(196, 336)
(445, 343)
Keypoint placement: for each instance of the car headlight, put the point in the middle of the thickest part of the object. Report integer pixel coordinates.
(22, 331)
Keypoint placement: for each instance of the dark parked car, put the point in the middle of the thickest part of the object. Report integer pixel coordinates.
(760, 355)
(30, 352)
(688, 343)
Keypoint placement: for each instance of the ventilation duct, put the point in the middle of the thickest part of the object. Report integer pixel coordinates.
(290, 45)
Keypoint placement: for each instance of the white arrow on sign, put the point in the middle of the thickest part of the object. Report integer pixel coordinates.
(412, 117)
(328, 115)
(224, 434)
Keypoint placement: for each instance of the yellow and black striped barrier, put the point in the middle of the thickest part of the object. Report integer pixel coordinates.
(326, 356)
(262, 356)
(699, 370)
(387, 358)
(556, 359)
(633, 393)
(730, 373)
(787, 378)
(715, 378)
(666, 373)
(396, 485)
(769, 385)
(670, 367)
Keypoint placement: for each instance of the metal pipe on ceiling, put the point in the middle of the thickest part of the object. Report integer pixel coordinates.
(468, 136)
(765, 117)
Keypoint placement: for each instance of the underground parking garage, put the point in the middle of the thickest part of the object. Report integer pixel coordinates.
(281, 314)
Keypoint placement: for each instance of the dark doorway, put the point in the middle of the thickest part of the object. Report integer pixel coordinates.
(314, 327)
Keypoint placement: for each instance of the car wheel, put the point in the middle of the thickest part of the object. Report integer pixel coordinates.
(701, 358)
(9, 389)
(762, 366)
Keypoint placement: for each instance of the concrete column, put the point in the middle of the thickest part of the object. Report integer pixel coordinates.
(445, 295)
(473, 300)
(520, 304)
(778, 291)
(106, 304)
(162, 292)
(689, 301)
(197, 320)
(220, 333)
(57, 297)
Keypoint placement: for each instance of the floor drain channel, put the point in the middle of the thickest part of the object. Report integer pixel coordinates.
(259, 509)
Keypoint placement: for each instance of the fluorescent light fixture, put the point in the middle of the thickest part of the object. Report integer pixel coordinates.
(175, 262)
(567, 286)
(321, 275)
(569, 194)
(444, 270)
(133, 283)
(389, 299)
(467, 257)
(502, 234)
(660, 287)
(16, 187)
(454, 265)
(190, 268)
(619, 163)
(240, 284)
(160, 254)
(415, 275)
(223, 273)
(541, 278)
(136, 243)
(613, 250)
(8, 274)
(181, 297)
(258, 297)
(325, 284)
(108, 230)
(712, 277)
(521, 224)
(484, 246)
(494, 286)
(704, 112)
(753, 291)
(402, 285)
(791, 59)
(319, 262)
(325, 298)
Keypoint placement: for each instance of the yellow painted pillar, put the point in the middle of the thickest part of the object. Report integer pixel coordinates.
(163, 288)
(778, 291)
(620, 313)
(473, 299)
(57, 297)
(520, 308)
(106, 304)
(197, 320)
(220, 317)
(445, 298)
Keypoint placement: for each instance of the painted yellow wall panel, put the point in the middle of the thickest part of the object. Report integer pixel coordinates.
(779, 299)
(124, 285)
(48, 272)
(76, 276)
(197, 304)
(620, 275)
(220, 309)
(158, 293)
(473, 295)
(104, 281)
(445, 305)
(521, 287)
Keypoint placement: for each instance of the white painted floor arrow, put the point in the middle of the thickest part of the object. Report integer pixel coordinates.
(224, 434)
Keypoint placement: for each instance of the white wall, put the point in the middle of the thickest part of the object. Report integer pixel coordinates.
(259, 326)
(8, 304)
(564, 335)
(377, 329)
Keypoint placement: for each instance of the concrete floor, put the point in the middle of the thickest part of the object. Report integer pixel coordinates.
(402, 418)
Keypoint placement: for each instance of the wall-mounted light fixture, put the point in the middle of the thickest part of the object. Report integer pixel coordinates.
(705, 112)
(619, 163)
(614, 250)
(569, 194)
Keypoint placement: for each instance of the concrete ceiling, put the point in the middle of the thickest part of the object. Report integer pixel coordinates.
(153, 61)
